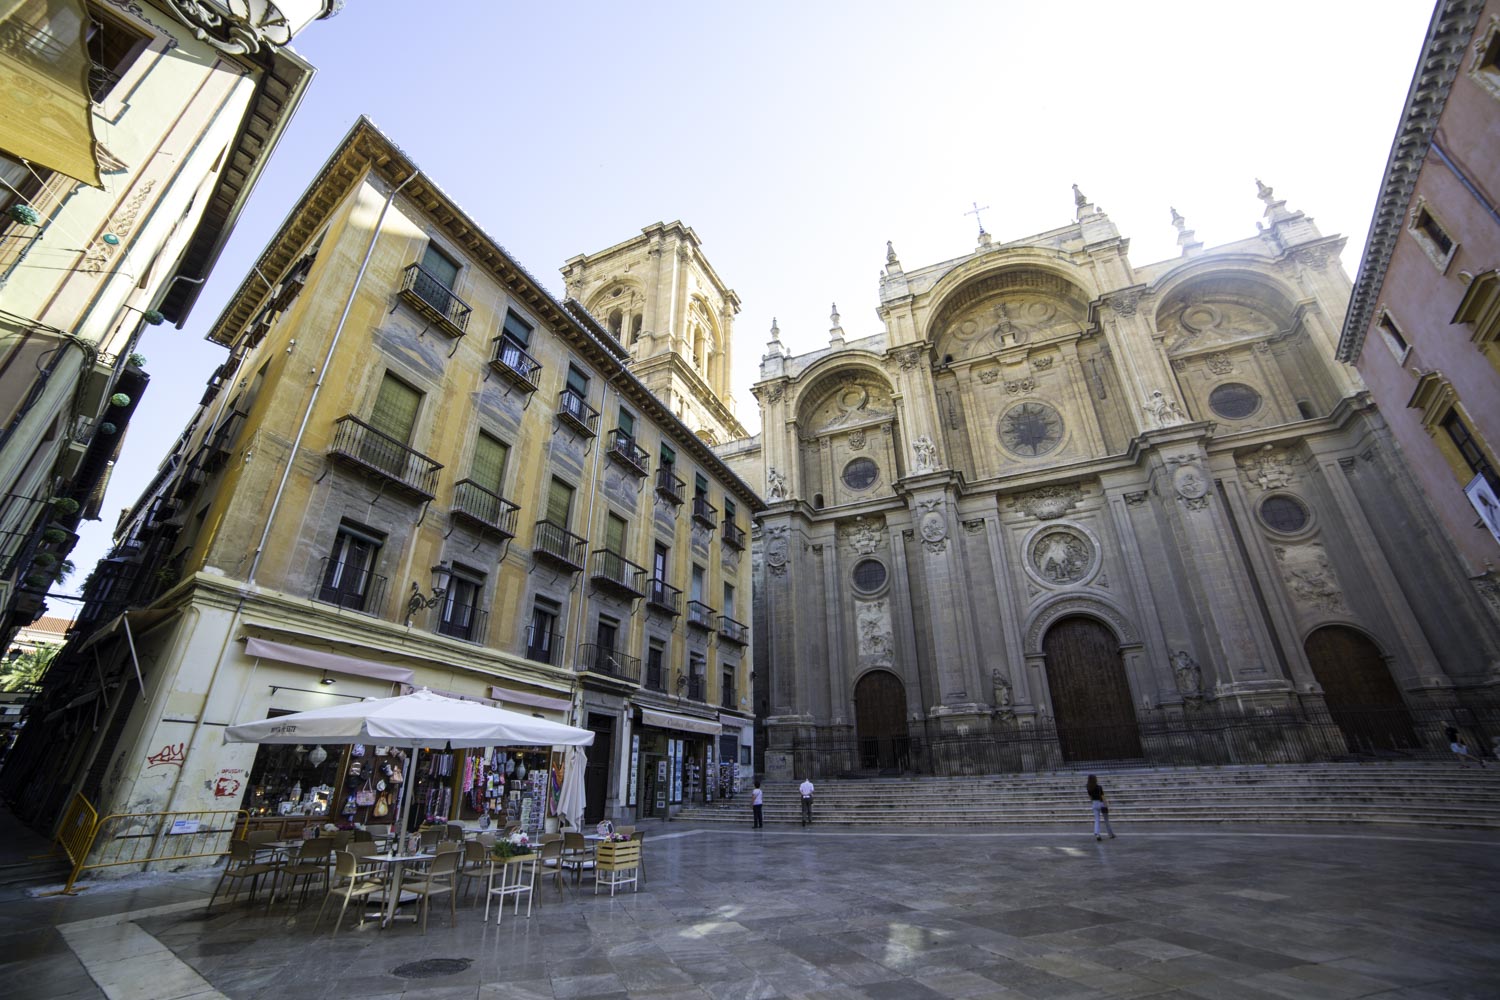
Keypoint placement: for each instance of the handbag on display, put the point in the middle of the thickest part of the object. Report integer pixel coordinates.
(366, 795)
(382, 805)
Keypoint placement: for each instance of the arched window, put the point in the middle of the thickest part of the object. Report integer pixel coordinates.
(616, 322)
(635, 328)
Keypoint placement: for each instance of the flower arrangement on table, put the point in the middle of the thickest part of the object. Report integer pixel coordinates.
(615, 838)
(515, 846)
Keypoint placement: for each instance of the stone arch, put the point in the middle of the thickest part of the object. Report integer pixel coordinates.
(1359, 690)
(1087, 605)
(846, 412)
(880, 720)
(1017, 299)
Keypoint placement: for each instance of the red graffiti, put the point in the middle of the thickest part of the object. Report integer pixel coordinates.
(169, 755)
(226, 788)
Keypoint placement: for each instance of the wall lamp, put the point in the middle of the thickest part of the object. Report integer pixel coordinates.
(418, 601)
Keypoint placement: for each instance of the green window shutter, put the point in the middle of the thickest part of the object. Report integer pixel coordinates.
(559, 502)
(578, 382)
(440, 266)
(518, 329)
(627, 422)
(614, 535)
(395, 412)
(489, 463)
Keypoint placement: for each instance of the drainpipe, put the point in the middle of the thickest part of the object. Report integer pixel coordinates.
(260, 548)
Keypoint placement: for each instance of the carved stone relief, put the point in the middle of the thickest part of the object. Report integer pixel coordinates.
(907, 358)
(864, 536)
(857, 441)
(853, 400)
(777, 549)
(1202, 323)
(1016, 317)
(1020, 386)
(1047, 502)
(1219, 364)
(876, 644)
(989, 376)
(1271, 468)
(100, 253)
(1309, 576)
(1061, 556)
(933, 526)
(924, 454)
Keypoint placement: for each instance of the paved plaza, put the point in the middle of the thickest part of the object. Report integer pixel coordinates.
(827, 914)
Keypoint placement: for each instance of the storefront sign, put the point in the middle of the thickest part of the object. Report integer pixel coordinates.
(184, 826)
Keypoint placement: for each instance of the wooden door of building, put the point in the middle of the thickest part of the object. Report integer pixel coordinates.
(1090, 694)
(1362, 697)
(880, 722)
(596, 774)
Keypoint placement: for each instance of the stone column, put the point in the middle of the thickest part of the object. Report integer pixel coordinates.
(1148, 619)
(1007, 585)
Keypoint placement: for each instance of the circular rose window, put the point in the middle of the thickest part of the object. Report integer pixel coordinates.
(860, 474)
(869, 575)
(1284, 514)
(1031, 429)
(1234, 400)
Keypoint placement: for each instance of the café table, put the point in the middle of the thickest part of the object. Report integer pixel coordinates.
(391, 895)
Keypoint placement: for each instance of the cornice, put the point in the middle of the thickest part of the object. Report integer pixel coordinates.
(1443, 51)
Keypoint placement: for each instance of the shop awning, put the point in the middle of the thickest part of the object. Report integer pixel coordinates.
(335, 663)
(685, 723)
(507, 697)
(46, 108)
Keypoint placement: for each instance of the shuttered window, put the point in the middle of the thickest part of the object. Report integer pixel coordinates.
(559, 503)
(490, 454)
(440, 266)
(627, 423)
(395, 412)
(614, 535)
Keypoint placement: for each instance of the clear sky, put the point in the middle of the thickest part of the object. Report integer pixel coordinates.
(797, 138)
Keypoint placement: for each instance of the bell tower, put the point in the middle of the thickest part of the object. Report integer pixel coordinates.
(662, 299)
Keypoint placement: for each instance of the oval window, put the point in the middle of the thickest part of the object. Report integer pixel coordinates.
(1234, 400)
(860, 474)
(869, 575)
(1285, 514)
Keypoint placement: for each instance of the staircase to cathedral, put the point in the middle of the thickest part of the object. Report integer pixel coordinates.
(1406, 793)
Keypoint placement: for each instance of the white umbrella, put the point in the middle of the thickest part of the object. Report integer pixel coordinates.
(573, 799)
(414, 720)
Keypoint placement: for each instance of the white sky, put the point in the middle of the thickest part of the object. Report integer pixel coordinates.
(796, 138)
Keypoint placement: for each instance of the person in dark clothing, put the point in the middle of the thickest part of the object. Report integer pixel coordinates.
(757, 802)
(1100, 806)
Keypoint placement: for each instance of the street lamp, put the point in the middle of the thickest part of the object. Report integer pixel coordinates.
(419, 601)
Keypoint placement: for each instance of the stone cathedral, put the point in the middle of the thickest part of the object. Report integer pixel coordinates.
(1063, 508)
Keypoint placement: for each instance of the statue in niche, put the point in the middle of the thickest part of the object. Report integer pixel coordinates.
(1000, 691)
(775, 484)
(926, 454)
(1189, 675)
(1164, 410)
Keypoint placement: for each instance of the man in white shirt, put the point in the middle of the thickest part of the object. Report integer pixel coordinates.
(757, 801)
(806, 788)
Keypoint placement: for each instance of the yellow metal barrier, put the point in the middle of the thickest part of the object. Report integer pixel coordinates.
(146, 838)
(76, 831)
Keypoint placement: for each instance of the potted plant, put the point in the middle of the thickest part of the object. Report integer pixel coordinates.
(517, 845)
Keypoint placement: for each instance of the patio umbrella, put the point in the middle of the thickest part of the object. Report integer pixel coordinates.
(411, 721)
(573, 799)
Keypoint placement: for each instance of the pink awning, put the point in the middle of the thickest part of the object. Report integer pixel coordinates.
(508, 697)
(334, 663)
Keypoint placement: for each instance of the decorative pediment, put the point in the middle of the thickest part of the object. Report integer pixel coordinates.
(1007, 320)
(853, 401)
(1207, 326)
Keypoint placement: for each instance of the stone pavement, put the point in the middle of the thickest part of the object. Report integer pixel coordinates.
(829, 914)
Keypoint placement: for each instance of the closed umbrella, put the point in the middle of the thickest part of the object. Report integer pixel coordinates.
(573, 800)
(415, 720)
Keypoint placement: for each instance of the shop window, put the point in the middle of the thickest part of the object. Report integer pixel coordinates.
(294, 780)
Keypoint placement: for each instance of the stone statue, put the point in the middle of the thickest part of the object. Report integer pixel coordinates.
(926, 454)
(1165, 411)
(1189, 675)
(776, 482)
(1001, 689)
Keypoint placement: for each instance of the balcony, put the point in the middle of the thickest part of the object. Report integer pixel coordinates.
(704, 512)
(577, 413)
(486, 510)
(726, 697)
(656, 677)
(624, 450)
(543, 646)
(608, 662)
(734, 536)
(219, 443)
(614, 572)
(554, 543)
(662, 596)
(733, 631)
(349, 588)
(695, 687)
(513, 363)
(700, 615)
(427, 294)
(463, 622)
(668, 486)
(381, 456)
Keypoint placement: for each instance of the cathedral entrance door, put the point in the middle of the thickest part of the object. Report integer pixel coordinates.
(1090, 693)
(880, 721)
(1361, 696)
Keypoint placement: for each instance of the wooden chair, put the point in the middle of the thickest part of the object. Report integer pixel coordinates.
(438, 879)
(351, 882)
(242, 865)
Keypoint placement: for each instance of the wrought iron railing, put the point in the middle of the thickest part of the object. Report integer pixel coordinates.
(704, 512)
(609, 662)
(613, 569)
(484, 507)
(733, 631)
(700, 615)
(544, 646)
(553, 541)
(734, 536)
(623, 449)
(668, 486)
(575, 410)
(385, 457)
(662, 595)
(656, 678)
(512, 361)
(351, 589)
(695, 687)
(726, 696)
(463, 621)
(427, 293)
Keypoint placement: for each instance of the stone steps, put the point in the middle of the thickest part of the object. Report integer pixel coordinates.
(1437, 793)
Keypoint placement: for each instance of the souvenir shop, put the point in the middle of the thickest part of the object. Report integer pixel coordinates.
(673, 761)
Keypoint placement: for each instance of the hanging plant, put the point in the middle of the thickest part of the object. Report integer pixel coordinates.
(136, 360)
(107, 428)
(65, 506)
(153, 316)
(37, 581)
(119, 399)
(54, 535)
(44, 560)
(25, 215)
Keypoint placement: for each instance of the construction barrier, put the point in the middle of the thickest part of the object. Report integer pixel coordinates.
(147, 838)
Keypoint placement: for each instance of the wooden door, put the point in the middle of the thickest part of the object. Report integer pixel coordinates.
(1090, 693)
(596, 774)
(880, 721)
(1361, 696)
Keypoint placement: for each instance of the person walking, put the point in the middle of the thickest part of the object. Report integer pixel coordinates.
(806, 788)
(1100, 806)
(757, 800)
(1461, 749)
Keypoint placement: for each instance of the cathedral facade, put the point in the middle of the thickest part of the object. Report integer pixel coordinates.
(1064, 508)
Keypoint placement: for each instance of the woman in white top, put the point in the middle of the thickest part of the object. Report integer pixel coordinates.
(756, 801)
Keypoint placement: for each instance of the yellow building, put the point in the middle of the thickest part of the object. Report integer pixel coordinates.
(416, 468)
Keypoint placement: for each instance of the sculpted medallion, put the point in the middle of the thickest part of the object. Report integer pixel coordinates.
(1061, 555)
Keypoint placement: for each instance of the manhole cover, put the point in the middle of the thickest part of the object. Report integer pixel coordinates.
(432, 968)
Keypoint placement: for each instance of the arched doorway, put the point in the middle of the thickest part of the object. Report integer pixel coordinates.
(1361, 695)
(1090, 694)
(880, 722)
